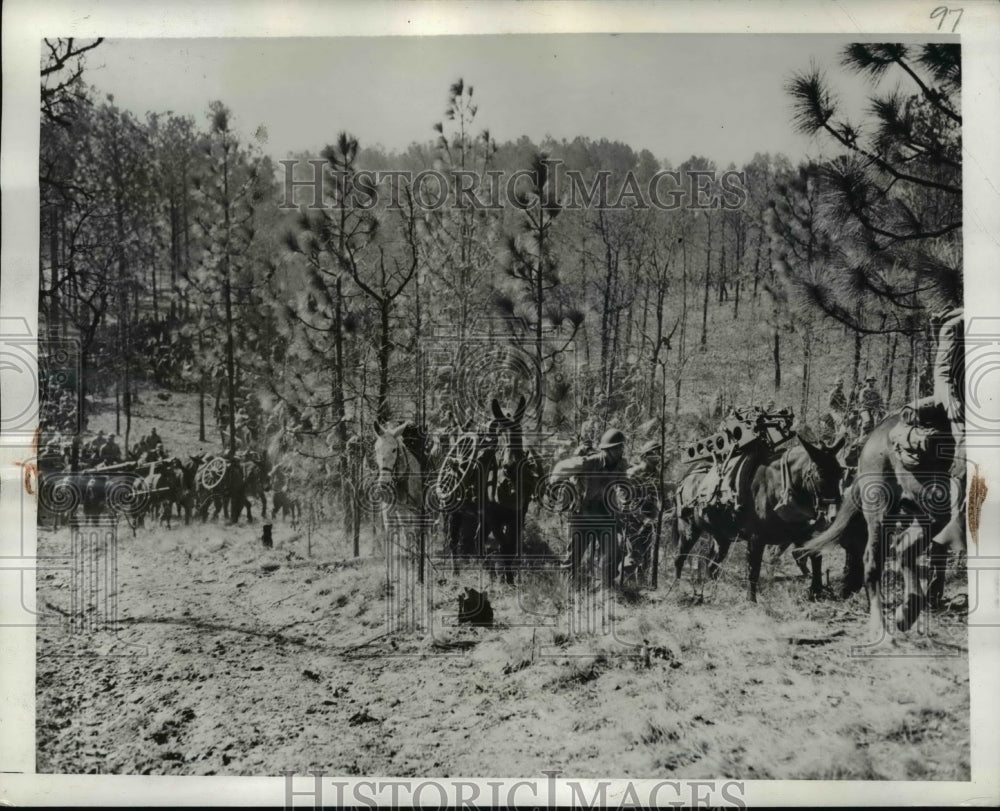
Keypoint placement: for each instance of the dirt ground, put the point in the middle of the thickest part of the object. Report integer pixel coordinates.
(230, 659)
(226, 658)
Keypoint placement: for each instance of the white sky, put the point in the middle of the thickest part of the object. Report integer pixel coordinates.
(720, 96)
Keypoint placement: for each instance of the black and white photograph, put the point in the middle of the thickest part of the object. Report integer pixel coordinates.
(505, 418)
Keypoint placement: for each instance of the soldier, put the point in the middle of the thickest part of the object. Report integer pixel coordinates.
(838, 401)
(95, 447)
(598, 473)
(641, 522)
(76, 452)
(949, 385)
(870, 406)
(110, 453)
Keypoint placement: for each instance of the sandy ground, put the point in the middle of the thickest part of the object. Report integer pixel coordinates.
(225, 658)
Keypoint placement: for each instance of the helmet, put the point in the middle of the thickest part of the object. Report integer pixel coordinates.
(611, 438)
(871, 378)
(649, 447)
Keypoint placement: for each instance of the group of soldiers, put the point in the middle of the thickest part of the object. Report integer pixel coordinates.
(74, 452)
(866, 403)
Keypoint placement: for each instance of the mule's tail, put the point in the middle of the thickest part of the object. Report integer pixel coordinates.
(848, 526)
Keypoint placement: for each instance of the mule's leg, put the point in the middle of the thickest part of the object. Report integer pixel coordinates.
(816, 583)
(801, 561)
(686, 538)
(853, 574)
(911, 545)
(755, 554)
(716, 560)
(874, 561)
(935, 586)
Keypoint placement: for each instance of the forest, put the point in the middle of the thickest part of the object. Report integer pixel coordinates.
(169, 255)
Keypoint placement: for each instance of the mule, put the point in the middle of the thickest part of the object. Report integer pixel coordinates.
(245, 479)
(401, 461)
(765, 516)
(163, 483)
(884, 495)
(515, 475)
(282, 495)
(489, 477)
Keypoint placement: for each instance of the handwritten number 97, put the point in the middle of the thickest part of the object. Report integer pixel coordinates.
(941, 13)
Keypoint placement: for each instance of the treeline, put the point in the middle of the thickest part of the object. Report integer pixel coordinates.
(167, 255)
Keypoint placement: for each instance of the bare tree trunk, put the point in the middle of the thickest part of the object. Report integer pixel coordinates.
(806, 373)
(201, 408)
(910, 365)
(856, 366)
(891, 366)
(776, 355)
(708, 278)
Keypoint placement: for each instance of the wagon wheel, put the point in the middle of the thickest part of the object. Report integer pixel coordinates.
(456, 467)
(210, 476)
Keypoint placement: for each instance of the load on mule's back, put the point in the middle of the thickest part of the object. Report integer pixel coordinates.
(756, 479)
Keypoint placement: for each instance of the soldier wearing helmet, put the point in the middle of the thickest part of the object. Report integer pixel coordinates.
(870, 406)
(643, 516)
(110, 453)
(597, 475)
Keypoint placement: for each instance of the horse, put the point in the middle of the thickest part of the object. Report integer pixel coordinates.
(887, 492)
(768, 514)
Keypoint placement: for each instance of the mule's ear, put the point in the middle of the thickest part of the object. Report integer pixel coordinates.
(519, 411)
(378, 429)
(497, 411)
(835, 448)
(400, 428)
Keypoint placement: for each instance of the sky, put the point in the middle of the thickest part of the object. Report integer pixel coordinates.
(720, 96)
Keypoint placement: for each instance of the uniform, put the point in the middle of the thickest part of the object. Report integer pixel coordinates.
(641, 520)
(596, 519)
(870, 406)
(949, 393)
(110, 454)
